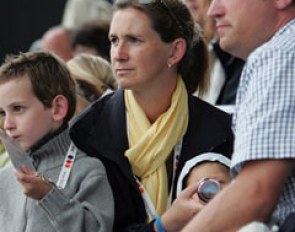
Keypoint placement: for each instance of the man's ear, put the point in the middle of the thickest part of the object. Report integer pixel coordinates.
(60, 107)
(178, 49)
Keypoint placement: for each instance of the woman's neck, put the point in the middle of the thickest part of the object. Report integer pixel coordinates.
(156, 102)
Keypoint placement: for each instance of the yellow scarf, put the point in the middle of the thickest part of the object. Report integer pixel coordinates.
(151, 145)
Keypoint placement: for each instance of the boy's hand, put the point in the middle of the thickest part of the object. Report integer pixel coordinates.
(184, 207)
(33, 183)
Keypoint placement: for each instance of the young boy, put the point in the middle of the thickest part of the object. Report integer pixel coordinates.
(69, 191)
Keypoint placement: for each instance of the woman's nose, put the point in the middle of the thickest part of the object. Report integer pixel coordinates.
(120, 51)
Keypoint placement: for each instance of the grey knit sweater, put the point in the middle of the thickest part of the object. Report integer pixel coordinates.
(85, 205)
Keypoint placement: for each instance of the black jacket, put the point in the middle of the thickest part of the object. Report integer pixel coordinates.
(233, 67)
(100, 131)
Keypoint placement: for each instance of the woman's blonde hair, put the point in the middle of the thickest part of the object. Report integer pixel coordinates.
(94, 70)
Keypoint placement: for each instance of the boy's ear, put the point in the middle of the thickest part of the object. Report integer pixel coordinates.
(178, 49)
(60, 107)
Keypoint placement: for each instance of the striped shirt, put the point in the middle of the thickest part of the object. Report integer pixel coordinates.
(264, 120)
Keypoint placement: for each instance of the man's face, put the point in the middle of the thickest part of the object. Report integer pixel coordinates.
(243, 25)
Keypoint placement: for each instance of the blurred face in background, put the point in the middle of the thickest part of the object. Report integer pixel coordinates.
(58, 41)
(199, 9)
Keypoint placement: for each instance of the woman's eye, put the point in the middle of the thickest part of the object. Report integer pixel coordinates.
(133, 39)
(114, 41)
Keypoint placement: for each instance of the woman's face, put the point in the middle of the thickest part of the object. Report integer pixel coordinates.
(139, 57)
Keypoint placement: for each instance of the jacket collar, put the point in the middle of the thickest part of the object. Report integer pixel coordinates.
(108, 134)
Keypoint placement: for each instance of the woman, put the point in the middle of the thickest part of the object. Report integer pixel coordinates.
(93, 69)
(152, 123)
(93, 75)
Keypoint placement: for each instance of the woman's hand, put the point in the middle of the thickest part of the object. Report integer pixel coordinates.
(184, 207)
(34, 184)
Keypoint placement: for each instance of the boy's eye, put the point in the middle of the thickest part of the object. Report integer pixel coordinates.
(18, 108)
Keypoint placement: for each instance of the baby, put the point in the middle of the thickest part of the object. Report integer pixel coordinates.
(210, 171)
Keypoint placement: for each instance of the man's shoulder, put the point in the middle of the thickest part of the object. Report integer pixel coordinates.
(283, 41)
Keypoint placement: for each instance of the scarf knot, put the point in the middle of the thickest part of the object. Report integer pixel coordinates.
(151, 144)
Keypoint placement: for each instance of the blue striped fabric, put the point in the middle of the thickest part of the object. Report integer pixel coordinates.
(264, 120)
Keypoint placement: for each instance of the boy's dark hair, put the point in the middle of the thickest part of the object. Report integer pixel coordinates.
(48, 74)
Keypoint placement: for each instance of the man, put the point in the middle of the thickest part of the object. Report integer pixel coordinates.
(225, 69)
(262, 33)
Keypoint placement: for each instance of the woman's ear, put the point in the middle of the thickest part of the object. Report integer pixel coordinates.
(178, 49)
(60, 108)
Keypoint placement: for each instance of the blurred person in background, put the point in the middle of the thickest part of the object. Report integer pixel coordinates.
(93, 75)
(58, 39)
(92, 38)
(79, 12)
(225, 68)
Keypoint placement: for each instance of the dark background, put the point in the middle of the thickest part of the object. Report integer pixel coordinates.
(24, 21)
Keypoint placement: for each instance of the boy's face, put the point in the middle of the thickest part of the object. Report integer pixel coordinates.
(213, 170)
(25, 118)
